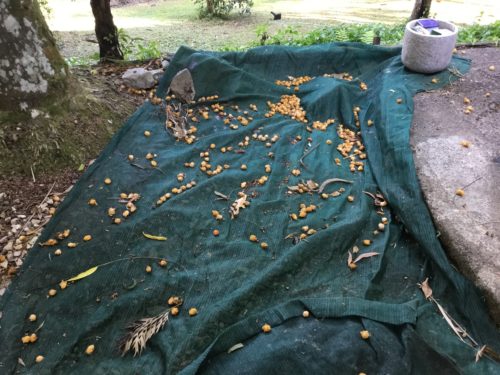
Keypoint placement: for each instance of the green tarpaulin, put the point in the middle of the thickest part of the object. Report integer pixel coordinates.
(237, 286)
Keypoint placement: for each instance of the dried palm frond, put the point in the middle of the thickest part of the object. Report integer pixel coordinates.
(141, 331)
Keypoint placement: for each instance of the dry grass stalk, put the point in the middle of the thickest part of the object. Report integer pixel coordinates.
(460, 331)
(141, 331)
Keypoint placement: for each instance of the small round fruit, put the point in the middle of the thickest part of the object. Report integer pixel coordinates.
(266, 328)
(460, 192)
(365, 335)
(52, 292)
(149, 269)
(163, 263)
(58, 252)
(253, 238)
(174, 311)
(147, 133)
(350, 198)
(87, 237)
(107, 181)
(39, 358)
(215, 232)
(306, 314)
(193, 311)
(367, 242)
(90, 349)
(25, 339)
(33, 338)
(174, 300)
(92, 202)
(491, 68)
(264, 245)
(131, 157)
(32, 318)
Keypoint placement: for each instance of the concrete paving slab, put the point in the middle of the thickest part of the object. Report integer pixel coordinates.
(469, 225)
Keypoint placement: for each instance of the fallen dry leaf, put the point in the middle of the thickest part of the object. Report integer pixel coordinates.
(238, 203)
(152, 237)
(365, 255)
(426, 289)
(89, 272)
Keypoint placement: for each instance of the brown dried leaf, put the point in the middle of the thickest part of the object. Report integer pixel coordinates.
(426, 289)
(349, 258)
(480, 352)
(238, 203)
(312, 185)
(365, 255)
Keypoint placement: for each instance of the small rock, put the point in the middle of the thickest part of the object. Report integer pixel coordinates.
(138, 78)
(17, 248)
(165, 64)
(9, 246)
(182, 86)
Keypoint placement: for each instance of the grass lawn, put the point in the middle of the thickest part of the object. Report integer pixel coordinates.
(171, 23)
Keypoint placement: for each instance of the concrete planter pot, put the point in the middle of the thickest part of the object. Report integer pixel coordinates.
(428, 53)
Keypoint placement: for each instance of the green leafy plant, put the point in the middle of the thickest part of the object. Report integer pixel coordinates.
(364, 33)
(137, 48)
(222, 8)
(476, 33)
(45, 7)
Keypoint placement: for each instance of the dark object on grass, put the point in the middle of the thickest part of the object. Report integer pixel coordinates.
(276, 16)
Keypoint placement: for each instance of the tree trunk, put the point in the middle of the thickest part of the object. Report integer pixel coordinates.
(210, 6)
(106, 31)
(31, 68)
(421, 9)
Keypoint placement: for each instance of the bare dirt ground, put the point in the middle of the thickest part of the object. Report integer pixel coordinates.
(27, 202)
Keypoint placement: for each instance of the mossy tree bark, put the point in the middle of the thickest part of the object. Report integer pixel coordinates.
(421, 9)
(31, 68)
(106, 31)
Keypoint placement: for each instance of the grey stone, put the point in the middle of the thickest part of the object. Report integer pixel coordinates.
(428, 53)
(182, 86)
(469, 226)
(157, 74)
(9, 246)
(138, 78)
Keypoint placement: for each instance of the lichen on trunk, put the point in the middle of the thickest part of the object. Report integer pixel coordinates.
(31, 67)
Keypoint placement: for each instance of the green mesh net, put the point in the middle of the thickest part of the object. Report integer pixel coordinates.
(236, 283)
